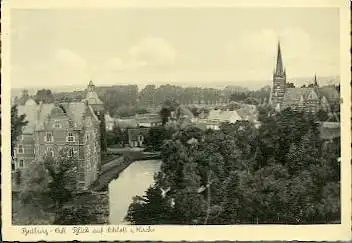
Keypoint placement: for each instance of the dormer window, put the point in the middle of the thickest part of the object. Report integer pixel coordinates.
(48, 137)
(57, 124)
(70, 137)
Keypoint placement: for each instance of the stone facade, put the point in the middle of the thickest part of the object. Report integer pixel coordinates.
(52, 128)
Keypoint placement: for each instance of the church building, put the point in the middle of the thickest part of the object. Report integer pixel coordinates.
(309, 99)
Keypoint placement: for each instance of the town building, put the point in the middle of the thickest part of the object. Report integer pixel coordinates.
(148, 120)
(71, 127)
(308, 99)
(109, 122)
(136, 136)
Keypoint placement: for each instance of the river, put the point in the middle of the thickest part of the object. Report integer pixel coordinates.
(134, 180)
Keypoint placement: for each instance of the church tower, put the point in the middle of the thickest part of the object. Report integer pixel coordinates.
(279, 81)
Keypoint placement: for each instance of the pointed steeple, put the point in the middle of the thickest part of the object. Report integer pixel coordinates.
(315, 80)
(279, 71)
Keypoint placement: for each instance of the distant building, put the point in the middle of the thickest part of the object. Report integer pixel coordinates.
(126, 123)
(109, 122)
(309, 99)
(218, 116)
(136, 136)
(148, 120)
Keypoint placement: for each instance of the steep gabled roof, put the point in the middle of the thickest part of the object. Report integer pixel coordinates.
(31, 112)
(43, 113)
(330, 93)
(293, 95)
(224, 115)
(92, 98)
(184, 111)
(74, 110)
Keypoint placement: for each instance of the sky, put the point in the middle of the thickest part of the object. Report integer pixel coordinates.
(184, 46)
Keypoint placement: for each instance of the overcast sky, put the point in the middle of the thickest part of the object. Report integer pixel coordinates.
(177, 45)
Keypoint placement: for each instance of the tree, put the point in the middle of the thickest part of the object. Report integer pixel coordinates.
(44, 95)
(151, 209)
(17, 124)
(290, 85)
(167, 107)
(238, 96)
(50, 183)
(322, 115)
(156, 137)
(279, 173)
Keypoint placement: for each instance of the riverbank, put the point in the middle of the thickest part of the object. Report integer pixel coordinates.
(112, 169)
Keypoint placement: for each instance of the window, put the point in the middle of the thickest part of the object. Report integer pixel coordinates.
(70, 137)
(48, 137)
(57, 124)
(21, 163)
(20, 149)
(140, 138)
(70, 152)
(50, 151)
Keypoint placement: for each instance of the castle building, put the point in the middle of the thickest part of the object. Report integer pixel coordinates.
(53, 127)
(308, 99)
(98, 107)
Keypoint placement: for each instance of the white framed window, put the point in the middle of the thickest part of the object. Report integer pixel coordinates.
(57, 124)
(48, 137)
(21, 163)
(70, 137)
(70, 152)
(50, 151)
(20, 149)
(140, 138)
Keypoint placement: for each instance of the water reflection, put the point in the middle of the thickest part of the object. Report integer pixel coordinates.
(134, 180)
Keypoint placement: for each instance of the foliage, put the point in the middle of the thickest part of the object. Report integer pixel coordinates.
(290, 85)
(117, 96)
(49, 183)
(238, 96)
(281, 172)
(167, 107)
(17, 124)
(117, 136)
(44, 95)
(156, 137)
(128, 111)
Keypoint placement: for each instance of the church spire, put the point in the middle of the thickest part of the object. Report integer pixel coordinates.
(279, 71)
(315, 80)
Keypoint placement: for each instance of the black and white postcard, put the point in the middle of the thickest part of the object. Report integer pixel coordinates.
(175, 120)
